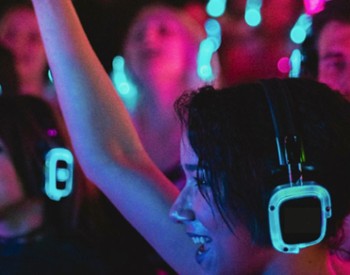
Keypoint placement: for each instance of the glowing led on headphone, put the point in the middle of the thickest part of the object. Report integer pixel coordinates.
(62, 174)
(58, 177)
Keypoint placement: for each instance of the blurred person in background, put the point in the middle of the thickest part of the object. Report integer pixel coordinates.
(230, 157)
(327, 48)
(38, 235)
(249, 53)
(19, 33)
(161, 50)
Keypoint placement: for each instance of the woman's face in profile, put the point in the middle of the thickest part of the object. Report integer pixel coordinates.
(219, 250)
(158, 45)
(19, 32)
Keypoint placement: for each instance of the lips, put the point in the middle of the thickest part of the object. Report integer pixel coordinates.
(202, 242)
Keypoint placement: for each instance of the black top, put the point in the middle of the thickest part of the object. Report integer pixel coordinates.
(42, 252)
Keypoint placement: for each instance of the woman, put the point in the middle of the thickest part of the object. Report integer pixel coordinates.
(228, 153)
(19, 33)
(38, 229)
(161, 54)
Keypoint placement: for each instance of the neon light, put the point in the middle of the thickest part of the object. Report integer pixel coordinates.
(285, 193)
(57, 176)
(49, 75)
(252, 15)
(213, 30)
(283, 65)
(216, 8)
(313, 6)
(301, 28)
(295, 63)
(51, 132)
(126, 89)
(207, 48)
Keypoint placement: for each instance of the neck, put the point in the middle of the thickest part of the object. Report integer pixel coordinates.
(312, 260)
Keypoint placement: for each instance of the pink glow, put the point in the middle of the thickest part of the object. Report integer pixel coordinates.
(313, 6)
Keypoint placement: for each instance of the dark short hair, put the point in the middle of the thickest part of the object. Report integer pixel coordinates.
(335, 10)
(231, 132)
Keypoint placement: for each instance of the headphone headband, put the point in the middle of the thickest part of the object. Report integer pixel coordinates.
(298, 211)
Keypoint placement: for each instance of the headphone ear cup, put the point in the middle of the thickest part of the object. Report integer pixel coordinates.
(59, 169)
(309, 62)
(298, 216)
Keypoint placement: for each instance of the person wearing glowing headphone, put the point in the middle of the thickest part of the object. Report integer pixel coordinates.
(237, 174)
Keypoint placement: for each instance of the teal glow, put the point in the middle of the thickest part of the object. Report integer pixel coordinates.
(295, 61)
(213, 30)
(300, 29)
(298, 35)
(57, 175)
(125, 88)
(206, 49)
(49, 75)
(216, 8)
(252, 17)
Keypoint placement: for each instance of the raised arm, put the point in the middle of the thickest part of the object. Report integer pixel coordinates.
(104, 139)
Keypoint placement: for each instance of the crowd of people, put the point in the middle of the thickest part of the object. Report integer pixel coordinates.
(189, 180)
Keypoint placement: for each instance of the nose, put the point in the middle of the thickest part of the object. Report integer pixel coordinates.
(181, 210)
